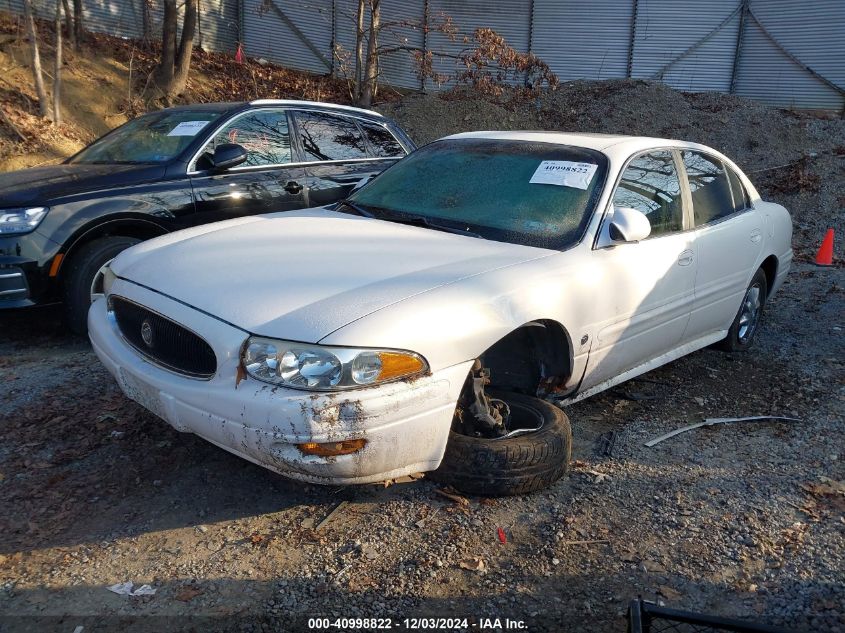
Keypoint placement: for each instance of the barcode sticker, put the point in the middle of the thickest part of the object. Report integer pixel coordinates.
(188, 128)
(564, 173)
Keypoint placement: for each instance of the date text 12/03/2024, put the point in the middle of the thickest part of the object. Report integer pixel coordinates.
(417, 624)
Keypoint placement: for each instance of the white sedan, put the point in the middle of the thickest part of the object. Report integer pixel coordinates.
(429, 322)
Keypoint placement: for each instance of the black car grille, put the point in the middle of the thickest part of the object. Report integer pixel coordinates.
(162, 340)
(12, 284)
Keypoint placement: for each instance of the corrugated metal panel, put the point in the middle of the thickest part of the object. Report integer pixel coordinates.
(399, 68)
(509, 18)
(219, 25)
(813, 32)
(401, 26)
(12, 6)
(583, 44)
(267, 35)
(689, 46)
(122, 18)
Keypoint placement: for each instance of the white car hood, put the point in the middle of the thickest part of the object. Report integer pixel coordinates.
(302, 275)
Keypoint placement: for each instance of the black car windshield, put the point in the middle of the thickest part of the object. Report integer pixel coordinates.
(157, 137)
(524, 192)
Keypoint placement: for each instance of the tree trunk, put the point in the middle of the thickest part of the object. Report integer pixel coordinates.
(69, 24)
(359, 50)
(186, 47)
(36, 58)
(371, 73)
(77, 24)
(164, 70)
(57, 70)
(172, 72)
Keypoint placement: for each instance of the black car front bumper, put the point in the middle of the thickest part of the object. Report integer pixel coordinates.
(25, 270)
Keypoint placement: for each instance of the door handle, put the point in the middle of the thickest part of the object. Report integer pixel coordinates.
(685, 258)
(292, 187)
(756, 235)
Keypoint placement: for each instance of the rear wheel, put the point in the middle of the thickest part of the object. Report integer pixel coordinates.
(535, 455)
(83, 278)
(741, 333)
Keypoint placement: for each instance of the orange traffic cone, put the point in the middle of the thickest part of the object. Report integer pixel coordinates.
(825, 255)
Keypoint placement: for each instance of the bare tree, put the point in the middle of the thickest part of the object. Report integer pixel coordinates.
(359, 48)
(362, 71)
(171, 75)
(69, 24)
(370, 83)
(57, 69)
(36, 58)
(77, 24)
(73, 22)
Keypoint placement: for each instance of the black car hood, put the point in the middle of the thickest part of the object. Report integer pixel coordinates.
(44, 185)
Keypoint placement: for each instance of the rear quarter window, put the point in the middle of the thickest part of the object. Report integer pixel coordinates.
(382, 143)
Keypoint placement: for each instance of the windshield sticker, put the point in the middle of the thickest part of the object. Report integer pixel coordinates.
(188, 128)
(564, 173)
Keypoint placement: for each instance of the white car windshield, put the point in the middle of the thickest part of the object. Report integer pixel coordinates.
(523, 192)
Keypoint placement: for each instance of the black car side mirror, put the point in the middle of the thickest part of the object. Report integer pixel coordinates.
(227, 155)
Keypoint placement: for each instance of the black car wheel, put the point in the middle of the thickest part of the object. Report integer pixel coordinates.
(513, 465)
(744, 327)
(84, 273)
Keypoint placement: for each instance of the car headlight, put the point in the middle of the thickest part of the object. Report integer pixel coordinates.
(324, 368)
(20, 220)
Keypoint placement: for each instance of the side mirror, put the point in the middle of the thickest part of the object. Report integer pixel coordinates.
(228, 155)
(628, 225)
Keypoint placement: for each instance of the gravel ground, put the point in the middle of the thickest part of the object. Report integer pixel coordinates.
(744, 520)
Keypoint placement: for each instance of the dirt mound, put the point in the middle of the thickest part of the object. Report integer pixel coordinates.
(96, 94)
(794, 159)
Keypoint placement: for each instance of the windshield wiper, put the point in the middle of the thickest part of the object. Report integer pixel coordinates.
(421, 220)
(357, 208)
(413, 220)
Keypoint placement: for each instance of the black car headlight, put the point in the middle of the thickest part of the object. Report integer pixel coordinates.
(24, 220)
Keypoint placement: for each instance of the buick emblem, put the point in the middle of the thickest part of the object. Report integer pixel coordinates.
(147, 333)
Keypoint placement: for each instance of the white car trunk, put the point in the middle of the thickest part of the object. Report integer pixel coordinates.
(300, 276)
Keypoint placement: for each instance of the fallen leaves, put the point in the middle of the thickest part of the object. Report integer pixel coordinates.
(474, 563)
(188, 593)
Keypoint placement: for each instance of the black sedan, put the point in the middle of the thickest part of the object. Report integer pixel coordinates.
(173, 169)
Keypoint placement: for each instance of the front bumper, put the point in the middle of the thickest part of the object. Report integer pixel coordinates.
(406, 424)
(24, 269)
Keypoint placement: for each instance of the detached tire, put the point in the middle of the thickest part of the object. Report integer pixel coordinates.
(511, 466)
(81, 273)
(746, 323)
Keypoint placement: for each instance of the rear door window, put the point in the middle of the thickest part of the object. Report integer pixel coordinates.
(382, 143)
(328, 137)
(650, 184)
(708, 183)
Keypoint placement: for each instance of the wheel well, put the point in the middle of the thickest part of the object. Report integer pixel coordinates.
(139, 229)
(536, 358)
(770, 267)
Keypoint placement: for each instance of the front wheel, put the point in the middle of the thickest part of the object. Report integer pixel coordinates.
(83, 281)
(747, 321)
(511, 465)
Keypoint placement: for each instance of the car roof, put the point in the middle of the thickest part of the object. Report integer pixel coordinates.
(619, 143)
(225, 106)
(316, 104)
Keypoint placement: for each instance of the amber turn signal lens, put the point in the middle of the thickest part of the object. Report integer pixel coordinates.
(332, 449)
(395, 365)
